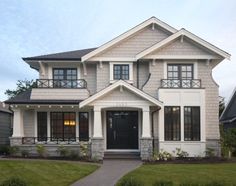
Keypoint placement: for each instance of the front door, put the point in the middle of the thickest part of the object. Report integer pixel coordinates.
(122, 130)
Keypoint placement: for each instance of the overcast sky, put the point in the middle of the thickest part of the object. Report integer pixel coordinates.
(29, 28)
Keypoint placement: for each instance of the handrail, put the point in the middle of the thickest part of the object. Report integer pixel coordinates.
(61, 83)
(181, 83)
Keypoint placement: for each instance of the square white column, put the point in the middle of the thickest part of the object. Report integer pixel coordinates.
(146, 125)
(97, 125)
(18, 130)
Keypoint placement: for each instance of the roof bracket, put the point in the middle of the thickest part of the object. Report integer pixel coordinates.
(85, 69)
(182, 38)
(153, 62)
(100, 64)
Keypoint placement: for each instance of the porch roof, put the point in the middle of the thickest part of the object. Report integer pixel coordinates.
(118, 84)
(24, 98)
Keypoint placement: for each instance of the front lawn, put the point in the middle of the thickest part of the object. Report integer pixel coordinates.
(182, 173)
(42, 173)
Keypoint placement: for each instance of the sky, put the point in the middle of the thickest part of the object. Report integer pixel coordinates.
(29, 28)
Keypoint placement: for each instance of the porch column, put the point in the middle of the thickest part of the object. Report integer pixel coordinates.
(18, 129)
(97, 126)
(146, 145)
(146, 128)
(97, 141)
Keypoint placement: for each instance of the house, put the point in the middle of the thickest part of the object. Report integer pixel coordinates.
(5, 124)
(228, 116)
(149, 88)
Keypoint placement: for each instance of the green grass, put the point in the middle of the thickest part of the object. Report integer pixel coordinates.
(42, 173)
(182, 173)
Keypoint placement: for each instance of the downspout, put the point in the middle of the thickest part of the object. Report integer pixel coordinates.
(138, 74)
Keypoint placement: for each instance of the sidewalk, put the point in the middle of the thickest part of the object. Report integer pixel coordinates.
(109, 173)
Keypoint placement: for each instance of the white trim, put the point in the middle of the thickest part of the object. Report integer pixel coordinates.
(112, 59)
(180, 57)
(115, 85)
(127, 34)
(48, 125)
(111, 66)
(35, 124)
(77, 125)
(187, 34)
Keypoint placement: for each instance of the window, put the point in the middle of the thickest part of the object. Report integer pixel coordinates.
(121, 72)
(66, 78)
(192, 123)
(42, 126)
(180, 71)
(63, 125)
(83, 126)
(172, 123)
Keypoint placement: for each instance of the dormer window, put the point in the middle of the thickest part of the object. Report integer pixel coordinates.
(122, 71)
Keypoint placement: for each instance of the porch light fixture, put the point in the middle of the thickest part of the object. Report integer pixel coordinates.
(66, 122)
(72, 123)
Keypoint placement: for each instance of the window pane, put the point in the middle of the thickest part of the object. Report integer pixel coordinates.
(121, 72)
(42, 126)
(172, 123)
(83, 126)
(192, 123)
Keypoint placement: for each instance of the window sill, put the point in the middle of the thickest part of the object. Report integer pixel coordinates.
(128, 81)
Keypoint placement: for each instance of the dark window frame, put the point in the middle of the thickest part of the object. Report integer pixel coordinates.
(57, 136)
(42, 123)
(65, 82)
(192, 128)
(119, 72)
(179, 71)
(83, 137)
(170, 131)
(65, 73)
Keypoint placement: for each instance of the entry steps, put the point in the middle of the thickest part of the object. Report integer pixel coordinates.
(121, 155)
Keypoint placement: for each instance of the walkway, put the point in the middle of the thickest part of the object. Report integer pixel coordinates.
(109, 173)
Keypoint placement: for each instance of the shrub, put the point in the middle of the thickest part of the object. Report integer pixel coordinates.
(210, 153)
(130, 182)
(14, 181)
(41, 150)
(63, 151)
(162, 155)
(74, 154)
(4, 150)
(163, 183)
(181, 154)
(215, 183)
(25, 153)
(13, 150)
(189, 184)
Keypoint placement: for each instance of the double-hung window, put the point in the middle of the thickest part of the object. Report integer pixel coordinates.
(172, 123)
(192, 123)
(65, 77)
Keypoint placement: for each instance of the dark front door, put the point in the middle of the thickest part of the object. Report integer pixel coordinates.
(122, 130)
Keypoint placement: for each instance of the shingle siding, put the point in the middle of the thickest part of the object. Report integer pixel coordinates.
(91, 77)
(28, 123)
(157, 73)
(136, 43)
(103, 76)
(5, 127)
(211, 100)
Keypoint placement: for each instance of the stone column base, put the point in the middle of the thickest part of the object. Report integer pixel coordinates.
(146, 148)
(215, 145)
(97, 148)
(14, 141)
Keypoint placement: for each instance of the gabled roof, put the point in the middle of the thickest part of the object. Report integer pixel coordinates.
(229, 113)
(24, 98)
(118, 84)
(191, 36)
(70, 55)
(152, 20)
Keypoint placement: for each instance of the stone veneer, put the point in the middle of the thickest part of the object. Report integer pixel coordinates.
(97, 148)
(146, 148)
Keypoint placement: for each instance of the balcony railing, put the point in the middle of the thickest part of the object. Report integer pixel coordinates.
(180, 83)
(51, 140)
(61, 83)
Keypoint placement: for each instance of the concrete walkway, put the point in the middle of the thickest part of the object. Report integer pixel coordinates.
(109, 173)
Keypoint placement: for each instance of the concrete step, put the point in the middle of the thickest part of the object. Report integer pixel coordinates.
(121, 155)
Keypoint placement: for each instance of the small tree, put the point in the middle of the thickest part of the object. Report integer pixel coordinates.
(228, 140)
(21, 86)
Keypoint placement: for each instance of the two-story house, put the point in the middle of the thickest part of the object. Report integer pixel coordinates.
(149, 88)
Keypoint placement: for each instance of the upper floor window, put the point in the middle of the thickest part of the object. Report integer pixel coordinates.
(121, 72)
(65, 77)
(180, 71)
